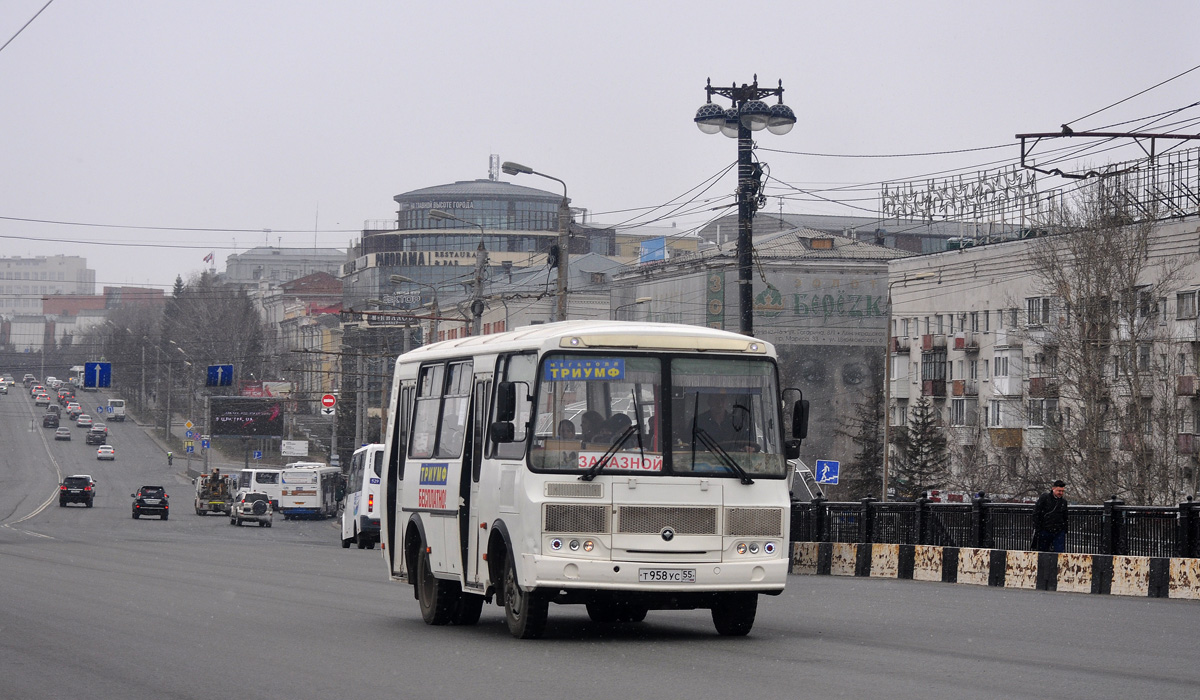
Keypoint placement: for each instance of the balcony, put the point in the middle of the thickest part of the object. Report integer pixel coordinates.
(1006, 386)
(971, 388)
(966, 341)
(1186, 385)
(900, 388)
(964, 434)
(933, 342)
(1038, 437)
(1187, 444)
(960, 388)
(1006, 437)
(1042, 336)
(1043, 387)
(1008, 338)
(901, 343)
(934, 387)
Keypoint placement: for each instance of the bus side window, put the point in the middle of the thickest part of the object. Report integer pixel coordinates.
(479, 421)
(455, 403)
(429, 404)
(519, 369)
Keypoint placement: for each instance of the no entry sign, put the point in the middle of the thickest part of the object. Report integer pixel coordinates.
(328, 400)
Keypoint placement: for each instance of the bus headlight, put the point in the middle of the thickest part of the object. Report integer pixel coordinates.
(556, 544)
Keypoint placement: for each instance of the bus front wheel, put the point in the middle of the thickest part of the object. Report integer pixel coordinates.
(733, 613)
(438, 598)
(524, 611)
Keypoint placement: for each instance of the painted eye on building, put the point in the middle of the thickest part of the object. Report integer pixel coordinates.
(854, 373)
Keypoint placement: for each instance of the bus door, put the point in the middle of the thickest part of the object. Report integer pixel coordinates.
(393, 478)
(438, 439)
(472, 537)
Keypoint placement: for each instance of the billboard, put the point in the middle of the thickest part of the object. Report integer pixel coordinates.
(241, 416)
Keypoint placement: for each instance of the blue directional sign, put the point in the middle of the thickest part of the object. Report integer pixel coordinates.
(189, 435)
(191, 449)
(97, 375)
(220, 375)
(258, 454)
(827, 471)
(205, 444)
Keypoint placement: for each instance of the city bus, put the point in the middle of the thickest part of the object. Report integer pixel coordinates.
(309, 489)
(573, 463)
(263, 480)
(360, 513)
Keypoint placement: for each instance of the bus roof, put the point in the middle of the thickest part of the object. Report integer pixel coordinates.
(611, 335)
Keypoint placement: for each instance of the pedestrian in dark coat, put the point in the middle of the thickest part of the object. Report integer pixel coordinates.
(1050, 520)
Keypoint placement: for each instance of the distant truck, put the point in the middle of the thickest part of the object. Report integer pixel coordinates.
(214, 493)
(116, 410)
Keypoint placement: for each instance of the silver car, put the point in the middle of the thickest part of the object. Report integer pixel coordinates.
(252, 507)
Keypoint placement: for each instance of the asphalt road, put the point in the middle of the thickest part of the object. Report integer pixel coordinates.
(96, 605)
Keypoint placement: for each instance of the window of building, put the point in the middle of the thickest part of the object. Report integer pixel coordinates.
(940, 329)
(1042, 412)
(958, 412)
(1037, 311)
(972, 369)
(987, 321)
(993, 414)
(984, 375)
(975, 321)
(1185, 305)
(933, 366)
(1000, 367)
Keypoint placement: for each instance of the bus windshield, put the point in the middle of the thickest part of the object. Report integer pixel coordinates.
(717, 416)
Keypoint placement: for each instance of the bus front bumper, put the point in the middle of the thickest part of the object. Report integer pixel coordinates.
(763, 575)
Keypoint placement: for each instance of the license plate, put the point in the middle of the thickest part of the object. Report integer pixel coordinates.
(667, 575)
(76, 491)
(151, 501)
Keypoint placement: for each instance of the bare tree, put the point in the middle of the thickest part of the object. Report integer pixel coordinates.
(1098, 339)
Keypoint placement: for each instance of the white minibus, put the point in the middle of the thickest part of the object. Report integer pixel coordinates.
(264, 480)
(360, 513)
(626, 467)
(308, 489)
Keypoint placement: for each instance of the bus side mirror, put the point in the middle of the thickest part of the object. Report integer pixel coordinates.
(791, 449)
(506, 402)
(503, 431)
(800, 420)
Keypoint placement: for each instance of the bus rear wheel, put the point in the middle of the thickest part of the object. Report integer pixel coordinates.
(438, 598)
(733, 613)
(524, 611)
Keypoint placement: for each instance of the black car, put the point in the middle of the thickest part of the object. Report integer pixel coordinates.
(150, 500)
(76, 489)
(50, 420)
(96, 437)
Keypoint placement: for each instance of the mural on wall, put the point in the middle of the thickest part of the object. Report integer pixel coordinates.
(826, 327)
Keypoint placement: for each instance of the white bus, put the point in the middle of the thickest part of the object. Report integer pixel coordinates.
(577, 463)
(360, 514)
(263, 480)
(308, 489)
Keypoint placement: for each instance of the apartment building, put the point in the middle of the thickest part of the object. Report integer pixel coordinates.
(1035, 373)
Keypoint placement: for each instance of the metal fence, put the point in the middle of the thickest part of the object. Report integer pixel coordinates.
(1111, 528)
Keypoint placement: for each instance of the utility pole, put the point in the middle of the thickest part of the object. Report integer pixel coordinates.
(477, 307)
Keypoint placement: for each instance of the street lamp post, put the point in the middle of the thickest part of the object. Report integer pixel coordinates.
(887, 379)
(564, 225)
(635, 302)
(481, 260)
(749, 114)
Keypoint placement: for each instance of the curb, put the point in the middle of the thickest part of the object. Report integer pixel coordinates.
(1102, 574)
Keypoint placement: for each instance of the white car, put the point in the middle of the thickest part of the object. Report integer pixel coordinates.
(251, 506)
(106, 452)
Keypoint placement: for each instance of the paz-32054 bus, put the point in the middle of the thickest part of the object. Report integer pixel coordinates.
(626, 467)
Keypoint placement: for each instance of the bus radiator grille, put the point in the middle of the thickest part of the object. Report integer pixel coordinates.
(575, 489)
(753, 522)
(651, 520)
(581, 519)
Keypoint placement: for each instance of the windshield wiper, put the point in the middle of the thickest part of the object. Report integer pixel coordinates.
(721, 454)
(612, 450)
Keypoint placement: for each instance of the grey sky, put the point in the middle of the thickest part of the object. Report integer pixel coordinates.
(258, 114)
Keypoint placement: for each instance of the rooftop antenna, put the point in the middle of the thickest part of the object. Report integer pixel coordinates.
(316, 224)
(494, 167)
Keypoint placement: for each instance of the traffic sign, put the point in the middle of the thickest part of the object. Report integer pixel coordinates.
(189, 435)
(219, 375)
(328, 400)
(191, 449)
(328, 411)
(205, 443)
(827, 471)
(100, 409)
(189, 425)
(258, 454)
(97, 375)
